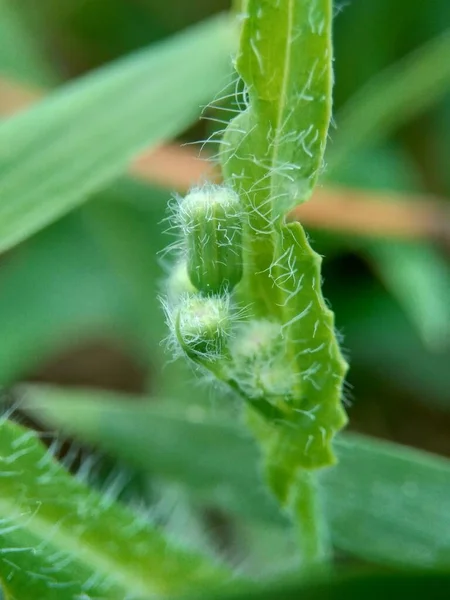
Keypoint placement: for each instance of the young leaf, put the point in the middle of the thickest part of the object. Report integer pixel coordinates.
(60, 540)
(83, 136)
(272, 155)
(276, 145)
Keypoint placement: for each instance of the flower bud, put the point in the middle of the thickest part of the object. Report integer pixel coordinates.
(211, 220)
(202, 325)
(258, 340)
(259, 362)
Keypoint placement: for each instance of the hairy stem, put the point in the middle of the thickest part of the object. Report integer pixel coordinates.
(314, 542)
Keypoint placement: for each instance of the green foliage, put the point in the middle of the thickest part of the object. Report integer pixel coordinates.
(379, 497)
(286, 123)
(421, 78)
(369, 585)
(415, 273)
(59, 539)
(52, 142)
(274, 155)
(251, 324)
(283, 358)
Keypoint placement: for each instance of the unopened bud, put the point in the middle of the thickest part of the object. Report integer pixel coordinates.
(202, 325)
(259, 362)
(257, 340)
(211, 219)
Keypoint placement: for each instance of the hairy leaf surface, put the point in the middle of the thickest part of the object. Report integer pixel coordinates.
(61, 540)
(272, 154)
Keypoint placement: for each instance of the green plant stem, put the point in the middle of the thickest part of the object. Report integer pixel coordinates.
(314, 542)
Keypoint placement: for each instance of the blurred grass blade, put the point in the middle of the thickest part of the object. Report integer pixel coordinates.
(381, 337)
(416, 274)
(125, 220)
(82, 136)
(389, 503)
(370, 586)
(47, 305)
(20, 55)
(179, 444)
(390, 99)
(386, 503)
(78, 543)
(420, 279)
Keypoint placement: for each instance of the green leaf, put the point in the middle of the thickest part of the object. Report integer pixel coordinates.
(276, 146)
(83, 136)
(390, 99)
(304, 436)
(384, 502)
(60, 540)
(388, 503)
(272, 155)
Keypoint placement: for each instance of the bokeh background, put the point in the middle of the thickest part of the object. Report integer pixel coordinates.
(78, 301)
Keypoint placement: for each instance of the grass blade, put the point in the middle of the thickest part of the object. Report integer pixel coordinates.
(370, 586)
(83, 136)
(390, 99)
(419, 277)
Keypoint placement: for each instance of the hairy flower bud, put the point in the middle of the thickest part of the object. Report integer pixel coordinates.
(259, 362)
(211, 220)
(258, 340)
(202, 325)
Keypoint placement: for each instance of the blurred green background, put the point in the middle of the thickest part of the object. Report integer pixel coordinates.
(78, 301)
